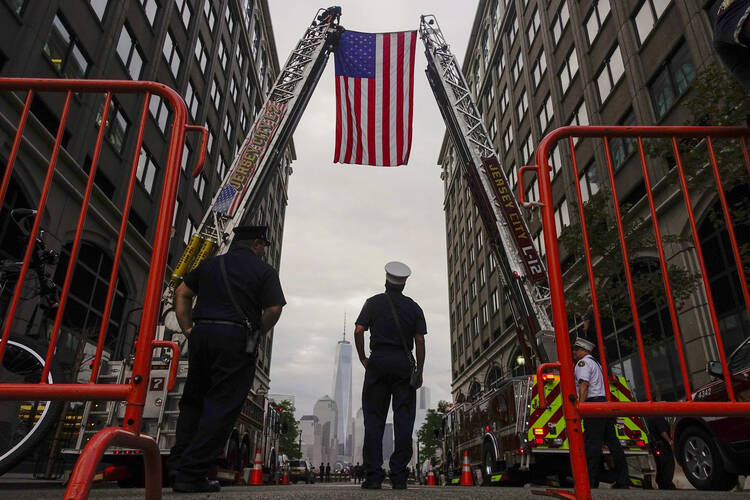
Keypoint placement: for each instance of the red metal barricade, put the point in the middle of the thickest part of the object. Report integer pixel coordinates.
(670, 185)
(134, 392)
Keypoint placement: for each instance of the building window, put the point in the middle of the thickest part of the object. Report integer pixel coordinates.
(672, 81)
(257, 37)
(146, 172)
(495, 301)
(208, 11)
(504, 100)
(589, 182)
(546, 113)
(473, 289)
(532, 193)
(222, 55)
(466, 301)
(171, 54)
(191, 99)
(513, 31)
(159, 112)
(130, 53)
(508, 138)
(243, 121)
(539, 242)
(64, 52)
(210, 144)
(560, 21)
(647, 16)
(534, 26)
(216, 94)
(200, 53)
(485, 46)
(185, 156)
(555, 161)
(86, 301)
(116, 128)
(199, 186)
(569, 70)
(479, 239)
(493, 263)
(189, 229)
(238, 54)
(475, 325)
(185, 13)
(595, 19)
(517, 67)
(522, 106)
(562, 217)
(228, 18)
(513, 177)
(527, 148)
(621, 148)
(610, 74)
(580, 117)
(227, 127)
(149, 8)
(540, 67)
(482, 276)
(233, 90)
(98, 6)
(500, 62)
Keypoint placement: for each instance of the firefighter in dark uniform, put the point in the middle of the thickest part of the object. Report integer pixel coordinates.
(589, 380)
(387, 374)
(220, 372)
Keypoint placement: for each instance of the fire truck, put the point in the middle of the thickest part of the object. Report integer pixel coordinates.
(508, 434)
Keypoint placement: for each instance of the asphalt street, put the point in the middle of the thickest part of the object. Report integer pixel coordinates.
(349, 490)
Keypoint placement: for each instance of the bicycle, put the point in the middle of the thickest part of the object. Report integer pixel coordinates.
(24, 424)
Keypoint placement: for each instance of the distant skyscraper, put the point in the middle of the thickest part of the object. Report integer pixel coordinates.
(307, 425)
(387, 443)
(358, 437)
(326, 411)
(423, 398)
(342, 393)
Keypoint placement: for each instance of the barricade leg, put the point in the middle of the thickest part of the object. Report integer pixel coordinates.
(80, 481)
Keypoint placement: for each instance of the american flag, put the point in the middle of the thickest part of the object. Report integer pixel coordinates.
(374, 97)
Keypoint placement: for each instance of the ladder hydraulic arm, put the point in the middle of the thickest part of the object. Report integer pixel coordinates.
(261, 151)
(521, 269)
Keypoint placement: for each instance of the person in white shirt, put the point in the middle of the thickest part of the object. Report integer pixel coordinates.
(596, 431)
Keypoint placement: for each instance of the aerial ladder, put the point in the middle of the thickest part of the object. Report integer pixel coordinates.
(521, 269)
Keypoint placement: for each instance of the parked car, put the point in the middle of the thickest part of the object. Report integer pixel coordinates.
(713, 451)
(301, 470)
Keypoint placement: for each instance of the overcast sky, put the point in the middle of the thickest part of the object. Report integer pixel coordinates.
(344, 222)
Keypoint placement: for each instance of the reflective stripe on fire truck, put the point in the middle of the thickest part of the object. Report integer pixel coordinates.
(546, 426)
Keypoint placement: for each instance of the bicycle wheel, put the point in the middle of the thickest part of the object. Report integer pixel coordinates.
(23, 424)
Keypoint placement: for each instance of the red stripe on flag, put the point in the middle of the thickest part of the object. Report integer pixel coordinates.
(337, 154)
(386, 98)
(349, 131)
(371, 122)
(400, 99)
(410, 98)
(358, 118)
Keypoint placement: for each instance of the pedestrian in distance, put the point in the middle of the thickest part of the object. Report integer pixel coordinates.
(322, 472)
(328, 472)
(589, 380)
(221, 352)
(661, 445)
(732, 38)
(357, 473)
(396, 324)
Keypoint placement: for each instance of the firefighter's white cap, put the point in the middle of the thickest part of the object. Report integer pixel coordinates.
(584, 344)
(396, 273)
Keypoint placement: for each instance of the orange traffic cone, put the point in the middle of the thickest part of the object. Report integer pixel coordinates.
(257, 475)
(285, 477)
(430, 477)
(466, 471)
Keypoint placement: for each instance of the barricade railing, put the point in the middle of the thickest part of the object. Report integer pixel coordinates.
(702, 165)
(134, 392)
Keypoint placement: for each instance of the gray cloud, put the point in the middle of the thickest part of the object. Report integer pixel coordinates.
(343, 223)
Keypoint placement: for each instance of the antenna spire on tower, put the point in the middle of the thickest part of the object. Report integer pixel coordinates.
(344, 333)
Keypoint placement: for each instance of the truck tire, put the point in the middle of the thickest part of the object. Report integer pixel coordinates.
(488, 464)
(701, 461)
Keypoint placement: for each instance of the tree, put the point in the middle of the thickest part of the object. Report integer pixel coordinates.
(428, 441)
(289, 438)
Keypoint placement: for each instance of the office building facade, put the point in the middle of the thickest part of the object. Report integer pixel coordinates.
(220, 56)
(534, 66)
(342, 394)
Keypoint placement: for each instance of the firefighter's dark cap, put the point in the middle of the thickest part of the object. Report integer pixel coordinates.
(249, 233)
